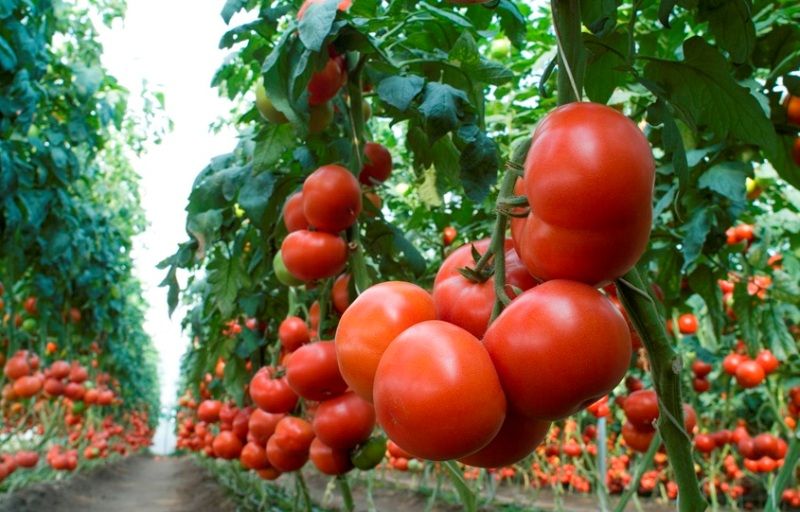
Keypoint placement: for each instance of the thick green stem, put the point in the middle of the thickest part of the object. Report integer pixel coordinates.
(567, 24)
(498, 245)
(665, 366)
(347, 495)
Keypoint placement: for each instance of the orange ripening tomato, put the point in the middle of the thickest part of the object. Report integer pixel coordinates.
(572, 336)
(589, 178)
(793, 110)
(371, 323)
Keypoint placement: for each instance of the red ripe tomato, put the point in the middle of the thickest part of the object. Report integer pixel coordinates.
(469, 304)
(293, 434)
(597, 161)
(766, 465)
(704, 443)
(637, 440)
(575, 339)
(324, 84)
(293, 333)
(331, 198)
(269, 474)
(437, 394)
(732, 362)
(313, 372)
(377, 165)
(641, 409)
(285, 460)
(53, 387)
(687, 323)
(449, 234)
(74, 391)
(262, 424)
(345, 421)
(91, 396)
(209, 410)
(745, 232)
(329, 461)
(78, 374)
(26, 459)
(701, 385)
(59, 370)
(17, 367)
(749, 374)
(27, 386)
(765, 444)
(701, 368)
(293, 216)
(397, 452)
(227, 446)
(340, 295)
(767, 360)
(311, 255)
(254, 456)
(30, 306)
(241, 423)
(227, 412)
(370, 324)
(721, 438)
(793, 109)
(272, 395)
(689, 418)
(517, 438)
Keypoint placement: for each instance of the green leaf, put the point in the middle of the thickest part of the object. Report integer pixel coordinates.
(8, 59)
(731, 24)
(513, 22)
(412, 256)
(664, 10)
(441, 108)
(316, 23)
(400, 91)
(274, 140)
(660, 113)
(728, 180)
(173, 288)
(703, 281)
(745, 311)
(232, 7)
(778, 50)
(254, 196)
(705, 95)
(694, 237)
(480, 160)
(445, 160)
(599, 16)
(235, 378)
(604, 66)
(35, 206)
(428, 191)
(226, 277)
(204, 227)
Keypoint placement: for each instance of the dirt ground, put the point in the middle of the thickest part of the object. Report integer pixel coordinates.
(137, 484)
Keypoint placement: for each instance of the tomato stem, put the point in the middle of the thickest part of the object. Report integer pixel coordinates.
(467, 496)
(347, 495)
(665, 367)
(571, 54)
(641, 467)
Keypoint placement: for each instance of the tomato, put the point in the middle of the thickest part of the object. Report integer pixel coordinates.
(285, 460)
(53, 387)
(701, 385)
(91, 396)
(689, 418)
(449, 234)
(27, 386)
(331, 198)
(343, 6)
(293, 333)
(375, 200)
(345, 421)
(764, 444)
(704, 443)
(30, 305)
(293, 434)
(641, 408)
(265, 106)
(732, 362)
(313, 372)
(59, 369)
(469, 304)
(745, 232)
(340, 295)
(687, 323)
(575, 339)
(589, 178)
(313, 318)
(701, 368)
(370, 324)
(793, 110)
(269, 474)
(74, 391)
(227, 446)
(17, 367)
(293, 216)
(320, 117)
(78, 374)
(272, 395)
(637, 440)
(328, 460)
(26, 459)
(324, 84)
(749, 374)
(209, 410)
(721, 437)
(262, 424)
(311, 255)
(254, 456)
(517, 438)
(241, 423)
(767, 360)
(436, 392)
(227, 412)
(377, 164)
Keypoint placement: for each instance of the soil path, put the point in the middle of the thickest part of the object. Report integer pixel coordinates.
(134, 485)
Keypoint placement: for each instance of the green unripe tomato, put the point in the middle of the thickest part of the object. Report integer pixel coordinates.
(30, 325)
(282, 273)
(266, 108)
(320, 118)
(500, 49)
(369, 454)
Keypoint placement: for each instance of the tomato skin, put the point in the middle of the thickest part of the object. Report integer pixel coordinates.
(27, 386)
(732, 362)
(329, 461)
(313, 372)
(324, 84)
(641, 409)
(345, 421)
(637, 440)
(427, 386)
(293, 216)
(371, 323)
(701, 368)
(687, 323)
(227, 446)
(287, 448)
(331, 198)
(701, 385)
(377, 164)
(545, 328)
(704, 443)
(517, 438)
(340, 294)
(209, 410)
(749, 374)
(468, 304)
(312, 255)
(449, 234)
(767, 360)
(254, 456)
(293, 333)
(285, 460)
(272, 395)
(596, 160)
(262, 424)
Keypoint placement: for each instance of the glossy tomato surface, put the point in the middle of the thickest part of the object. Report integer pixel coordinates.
(517, 438)
(331, 198)
(311, 255)
(345, 421)
(313, 372)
